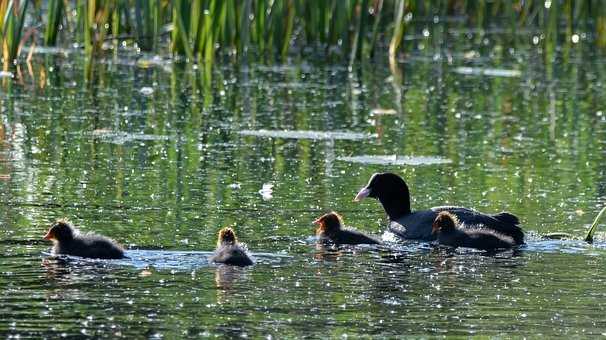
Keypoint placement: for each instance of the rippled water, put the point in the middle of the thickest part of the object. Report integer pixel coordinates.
(162, 169)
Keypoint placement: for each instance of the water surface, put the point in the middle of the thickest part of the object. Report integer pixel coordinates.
(155, 157)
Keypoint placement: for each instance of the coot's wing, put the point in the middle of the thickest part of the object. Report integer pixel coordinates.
(416, 226)
(397, 228)
(504, 223)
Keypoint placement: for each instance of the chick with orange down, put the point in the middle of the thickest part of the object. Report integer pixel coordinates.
(330, 228)
(450, 233)
(230, 251)
(67, 240)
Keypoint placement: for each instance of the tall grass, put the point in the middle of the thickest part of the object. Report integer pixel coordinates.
(12, 13)
(350, 30)
(53, 21)
(148, 15)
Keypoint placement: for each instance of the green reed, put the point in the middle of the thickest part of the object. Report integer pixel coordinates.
(12, 14)
(349, 30)
(53, 17)
(148, 22)
(594, 226)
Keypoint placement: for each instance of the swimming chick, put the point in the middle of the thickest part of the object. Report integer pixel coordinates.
(69, 241)
(230, 251)
(330, 228)
(448, 233)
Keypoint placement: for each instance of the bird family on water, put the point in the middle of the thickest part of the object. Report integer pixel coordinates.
(447, 225)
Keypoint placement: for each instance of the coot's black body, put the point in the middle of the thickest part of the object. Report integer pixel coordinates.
(393, 193)
(69, 241)
(230, 251)
(330, 229)
(450, 233)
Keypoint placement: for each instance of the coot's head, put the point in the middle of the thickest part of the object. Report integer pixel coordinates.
(384, 185)
(227, 236)
(61, 230)
(329, 223)
(444, 222)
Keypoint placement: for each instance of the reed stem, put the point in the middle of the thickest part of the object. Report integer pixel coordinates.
(594, 226)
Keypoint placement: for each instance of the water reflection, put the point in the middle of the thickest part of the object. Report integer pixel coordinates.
(161, 172)
(226, 275)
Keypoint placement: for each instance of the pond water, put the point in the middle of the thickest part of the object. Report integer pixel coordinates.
(160, 157)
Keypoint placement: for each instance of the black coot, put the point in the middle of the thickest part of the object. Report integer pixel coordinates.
(391, 190)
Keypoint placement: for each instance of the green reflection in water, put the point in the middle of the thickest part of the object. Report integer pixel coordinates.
(166, 170)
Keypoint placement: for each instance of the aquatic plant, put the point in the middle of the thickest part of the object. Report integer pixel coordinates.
(148, 22)
(349, 31)
(53, 21)
(12, 13)
(594, 225)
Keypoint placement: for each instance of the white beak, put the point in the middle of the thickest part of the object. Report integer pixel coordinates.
(362, 194)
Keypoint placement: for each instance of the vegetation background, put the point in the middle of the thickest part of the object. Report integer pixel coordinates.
(201, 31)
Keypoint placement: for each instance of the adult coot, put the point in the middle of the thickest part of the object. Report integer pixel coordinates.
(391, 190)
(445, 227)
(69, 241)
(330, 229)
(230, 251)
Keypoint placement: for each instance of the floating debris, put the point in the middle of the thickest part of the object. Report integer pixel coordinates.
(396, 160)
(307, 134)
(558, 236)
(121, 137)
(493, 72)
(48, 50)
(383, 112)
(152, 62)
(471, 55)
(146, 91)
(266, 191)
(145, 273)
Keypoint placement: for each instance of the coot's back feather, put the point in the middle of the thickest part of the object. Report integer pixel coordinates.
(506, 217)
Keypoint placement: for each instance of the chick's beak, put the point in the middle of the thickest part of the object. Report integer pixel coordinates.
(317, 222)
(49, 236)
(362, 194)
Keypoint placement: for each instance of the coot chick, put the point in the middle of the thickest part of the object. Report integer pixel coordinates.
(391, 190)
(330, 229)
(69, 241)
(445, 227)
(230, 251)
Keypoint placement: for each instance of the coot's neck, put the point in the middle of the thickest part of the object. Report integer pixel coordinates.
(397, 204)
